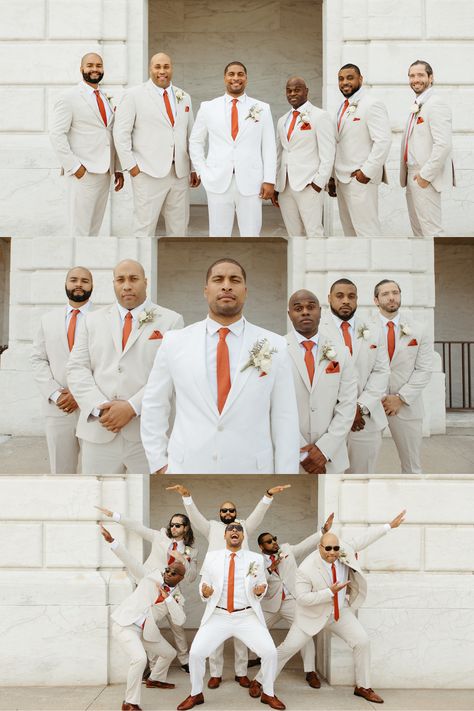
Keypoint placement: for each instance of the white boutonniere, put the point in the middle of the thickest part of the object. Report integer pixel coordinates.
(253, 569)
(305, 117)
(415, 108)
(405, 330)
(145, 317)
(254, 113)
(363, 332)
(281, 555)
(260, 357)
(351, 109)
(343, 556)
(187, 550)
(109, 98)
(179, 95)
(177, 596)
(328, 352)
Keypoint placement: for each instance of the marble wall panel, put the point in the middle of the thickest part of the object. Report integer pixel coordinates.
(75, 19)
(420, 591)
(49, 498)
(450, 548)
(399, 549)
(21, 545)
(23, 109)
(52, 587)
(22, 19)
(453, 20)
(71, 545)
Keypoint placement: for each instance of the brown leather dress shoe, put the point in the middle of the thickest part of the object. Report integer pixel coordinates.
(243, 681)
(313, 680)
(130, 707)
(214, 682)
(152, 684)
(191, 702)
(255, 689)
(272, 701)
(368, 694)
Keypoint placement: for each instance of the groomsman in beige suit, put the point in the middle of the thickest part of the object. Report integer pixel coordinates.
(81, 136)
(108, 369)
(51, 347)
(152, 128)
(330, 587)
(370, 359)
(363, 139)
(326, 388)
(426, 167)
(410, 352)
(305, 157)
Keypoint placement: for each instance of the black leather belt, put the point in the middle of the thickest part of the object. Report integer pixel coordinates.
(239, 610)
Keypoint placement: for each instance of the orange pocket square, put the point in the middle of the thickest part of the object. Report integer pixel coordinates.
(413, 342)
(356, 119)
(333, 367)
(372, 345)
(186, 109)
(305, 127)
(156, 335)
(420, 119)
(262, 374)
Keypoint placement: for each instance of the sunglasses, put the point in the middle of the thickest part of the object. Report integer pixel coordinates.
(170, 571)
(227, 510)
(176, 525)
(234, 528)
(273, 539)
(331, 548)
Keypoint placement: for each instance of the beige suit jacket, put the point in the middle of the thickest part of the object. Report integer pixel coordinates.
(308, 157)
(98, 370)
(326, 409)
(144, 135)
(364, 140)
(78, 134)
(314, 599)
(430, 142)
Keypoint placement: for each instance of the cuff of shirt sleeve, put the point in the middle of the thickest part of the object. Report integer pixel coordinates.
(134, 408)
(114, 545)
(188, 500)
(54, 397)
(267, 499)
(116, 516)
(387, 526)
(95, 412)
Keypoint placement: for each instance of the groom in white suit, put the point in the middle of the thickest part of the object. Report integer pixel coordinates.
(81, 136)
(239, 169)
(236, 409)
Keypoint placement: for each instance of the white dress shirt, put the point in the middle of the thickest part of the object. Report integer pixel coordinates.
(234, 341)
(54, 397)
(338, 321)
(170, 94)
(342, 576)
(240, 597)
(300, 338)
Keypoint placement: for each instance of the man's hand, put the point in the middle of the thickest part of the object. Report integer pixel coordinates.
(119, 181)
(315, 462)
(163, 470)
(360, 177)
(179, 488)
(332, 187)
(391, 404)
(116, 414)
(314, 186)
(329, 521)
(80, 172)
(105, 533)
(335, 587)
(162, 592)
(266, 191)
(134, 171)
(106, 512)
(398, 519)
(259, 590)
(421, 181)
(278, 489)
(275, 202)
(194, 180)
(66, 402)
(359, 422)
(206, 590)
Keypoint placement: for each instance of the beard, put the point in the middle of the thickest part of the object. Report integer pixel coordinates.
(78, 298)
(92, 80)
(227, 519)
(343, 317)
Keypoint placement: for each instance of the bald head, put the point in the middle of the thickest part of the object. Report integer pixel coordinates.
(296, 92)
(129, 264)
(329, 539)
(130, 284)
(92, 68)
(161, 70)
(78, 286)
(304, 312)
(302, 294)
(174, 573)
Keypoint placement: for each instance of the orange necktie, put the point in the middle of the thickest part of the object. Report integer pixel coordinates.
(346, 335)
(71, 329)
(160, 597)
(390, 339)
(273, 559)
(101, 106)
(292, 124)
(234, 119)
(336, 596)
(223, 369)
(309, 360)
(344, 108)
(230, 584)
(168, 107)
(410, 124)
(172, 559)
(127, 328)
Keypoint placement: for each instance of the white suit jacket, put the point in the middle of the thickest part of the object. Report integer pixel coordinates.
(370, 359)
(430, 143)
(411, 365)
(79, 135)
(213, 571)
(98, 370)
(143, 598)
(287, 571)
(364, 140)
(314, 600)
(309, 154)
(256, 432)
(49, 358)
(144, 135)
(327, 407)
(252, 156)
(214, 530)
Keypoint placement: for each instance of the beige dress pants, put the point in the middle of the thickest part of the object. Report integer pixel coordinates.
(408, 437)
(424, 207)
(302, 211)
(151, 196)
(363, 448)
(87, 200)
(287, 613)
(63, 445)
(115, 457)
(359, 208)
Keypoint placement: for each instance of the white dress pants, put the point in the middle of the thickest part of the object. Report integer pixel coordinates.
(137, 648)
(359, 208)
(424, 207)
(222, 208)
(302, 211)
(363, 448)
(153, 195)
(216, 659)
(115, 457)
(222, 625)
(63, 445)
(287, 613)
(408, 437)
(87, 200)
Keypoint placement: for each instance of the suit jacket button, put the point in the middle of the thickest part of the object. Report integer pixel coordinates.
(220, 428)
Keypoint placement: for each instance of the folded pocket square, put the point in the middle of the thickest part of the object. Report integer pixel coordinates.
(155, 336)
(262, 374)
(186, 110)
(305, 127)
(413, 342)
(356, 118)
(372, 345)
(333, 367)
(420, 119)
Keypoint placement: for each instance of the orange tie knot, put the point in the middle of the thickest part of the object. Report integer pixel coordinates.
(345, 325)
(308, 345)
(223, 333)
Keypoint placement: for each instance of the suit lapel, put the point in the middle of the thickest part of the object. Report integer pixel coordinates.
(199, 367)
(91, 103)
(244, 122)
(158, 101)
(240, 377)
(295, 352)
(116, 327)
